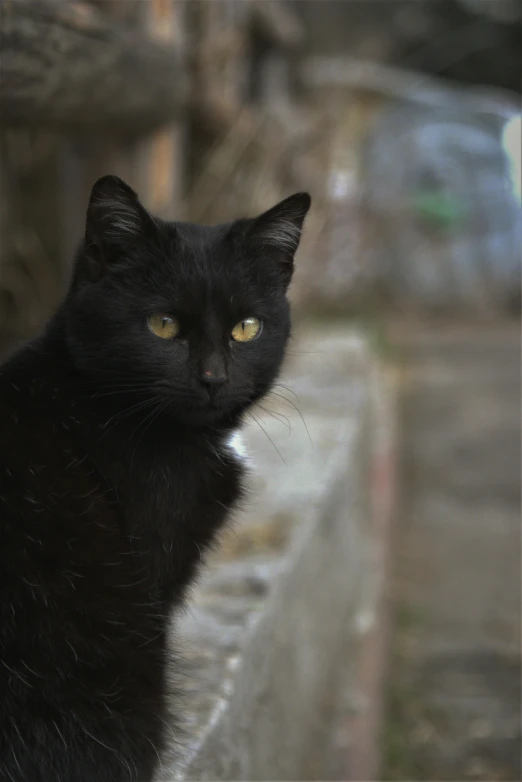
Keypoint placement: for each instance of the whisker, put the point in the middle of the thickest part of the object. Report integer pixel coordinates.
(112, 374)
(127, 411)
(287, 388)
(306, 352)
(268, 436)
(277, 416)
(156, 401)
(151, 417)
(122, 390)
(289, 402)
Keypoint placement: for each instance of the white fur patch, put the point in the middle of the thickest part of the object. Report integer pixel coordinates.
(236, 444)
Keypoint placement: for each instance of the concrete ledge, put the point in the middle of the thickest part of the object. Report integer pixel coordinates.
(282, 605)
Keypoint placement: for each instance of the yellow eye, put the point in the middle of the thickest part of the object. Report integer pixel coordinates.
(163, 326)
(247, 330)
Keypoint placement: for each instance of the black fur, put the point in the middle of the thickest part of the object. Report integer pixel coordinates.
(115, 475)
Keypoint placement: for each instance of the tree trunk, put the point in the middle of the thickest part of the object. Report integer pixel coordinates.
(64, 65)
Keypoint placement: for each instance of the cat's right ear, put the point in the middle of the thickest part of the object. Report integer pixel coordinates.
(115, 219)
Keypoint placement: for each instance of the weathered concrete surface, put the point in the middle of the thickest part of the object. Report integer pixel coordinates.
(455, 690)
(279, 609)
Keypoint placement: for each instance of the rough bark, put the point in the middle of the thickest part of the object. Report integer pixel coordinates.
(64, 65)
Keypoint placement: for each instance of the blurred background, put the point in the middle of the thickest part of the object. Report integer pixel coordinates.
(403, 120)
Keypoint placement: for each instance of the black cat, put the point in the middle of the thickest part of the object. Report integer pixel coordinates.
(116, 473)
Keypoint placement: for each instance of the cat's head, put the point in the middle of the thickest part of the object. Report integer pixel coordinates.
(192, 315)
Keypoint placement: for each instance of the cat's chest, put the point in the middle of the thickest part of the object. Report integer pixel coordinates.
(174, 505)
(182, 481)
(170, 486)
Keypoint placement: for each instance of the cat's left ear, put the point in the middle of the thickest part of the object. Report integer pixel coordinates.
(115, 216)
(279, 229)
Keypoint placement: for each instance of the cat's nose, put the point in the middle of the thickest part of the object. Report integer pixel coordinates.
(212, 369)
(213, 378)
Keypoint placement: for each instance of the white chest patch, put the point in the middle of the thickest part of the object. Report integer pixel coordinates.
(237, 445)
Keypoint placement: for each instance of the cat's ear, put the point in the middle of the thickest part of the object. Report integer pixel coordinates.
(115, 217)
(279, 229)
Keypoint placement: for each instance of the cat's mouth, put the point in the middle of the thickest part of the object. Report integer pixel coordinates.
(199, 399)
(212, 409)
(207, 415)
(196, 406)
(202, 406)
(208, 399)
(210, 406)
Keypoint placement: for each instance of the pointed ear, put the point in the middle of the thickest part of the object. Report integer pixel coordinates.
(115, 217)
(280, 228)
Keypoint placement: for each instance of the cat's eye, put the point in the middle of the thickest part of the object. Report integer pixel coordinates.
(247, 330)
(164, 326)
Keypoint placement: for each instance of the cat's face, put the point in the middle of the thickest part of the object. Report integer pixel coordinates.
(193, 316)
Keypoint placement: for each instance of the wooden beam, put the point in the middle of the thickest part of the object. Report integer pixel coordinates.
(395, 83)
(279, 23)
(161, 152)
(65, 65)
